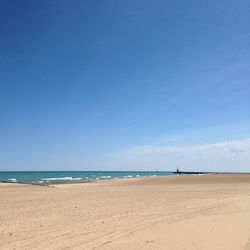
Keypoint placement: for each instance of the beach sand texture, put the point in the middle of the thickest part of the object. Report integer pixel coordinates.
(174, 212)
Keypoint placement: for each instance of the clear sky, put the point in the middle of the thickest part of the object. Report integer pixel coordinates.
(124, 85)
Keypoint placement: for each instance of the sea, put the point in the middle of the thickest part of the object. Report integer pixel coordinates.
(43, 177)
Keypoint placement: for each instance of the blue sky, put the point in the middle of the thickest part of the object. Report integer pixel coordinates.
(84, 82)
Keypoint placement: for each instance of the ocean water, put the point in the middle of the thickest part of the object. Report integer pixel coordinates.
(42, 177)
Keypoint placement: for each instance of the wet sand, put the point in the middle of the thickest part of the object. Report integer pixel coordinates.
(174, 212)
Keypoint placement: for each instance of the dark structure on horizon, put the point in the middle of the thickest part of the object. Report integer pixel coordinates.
(186, 172)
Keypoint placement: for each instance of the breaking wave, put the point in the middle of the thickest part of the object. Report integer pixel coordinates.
(13, 179)
(62, 179)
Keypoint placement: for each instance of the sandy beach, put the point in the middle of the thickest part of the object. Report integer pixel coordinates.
(174, 212)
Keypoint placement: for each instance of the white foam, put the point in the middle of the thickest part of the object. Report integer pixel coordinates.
(62, 179)
(77, 179)
(13, 179)
(105, 177)
(129, 176)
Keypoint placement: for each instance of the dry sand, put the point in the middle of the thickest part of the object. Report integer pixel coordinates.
(174, 212)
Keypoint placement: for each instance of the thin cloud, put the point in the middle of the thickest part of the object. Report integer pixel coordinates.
(232, 156)
(171, 139)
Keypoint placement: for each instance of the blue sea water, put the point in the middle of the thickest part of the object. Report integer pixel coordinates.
(42, 177)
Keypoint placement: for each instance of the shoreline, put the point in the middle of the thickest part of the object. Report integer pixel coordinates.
(121, 178)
